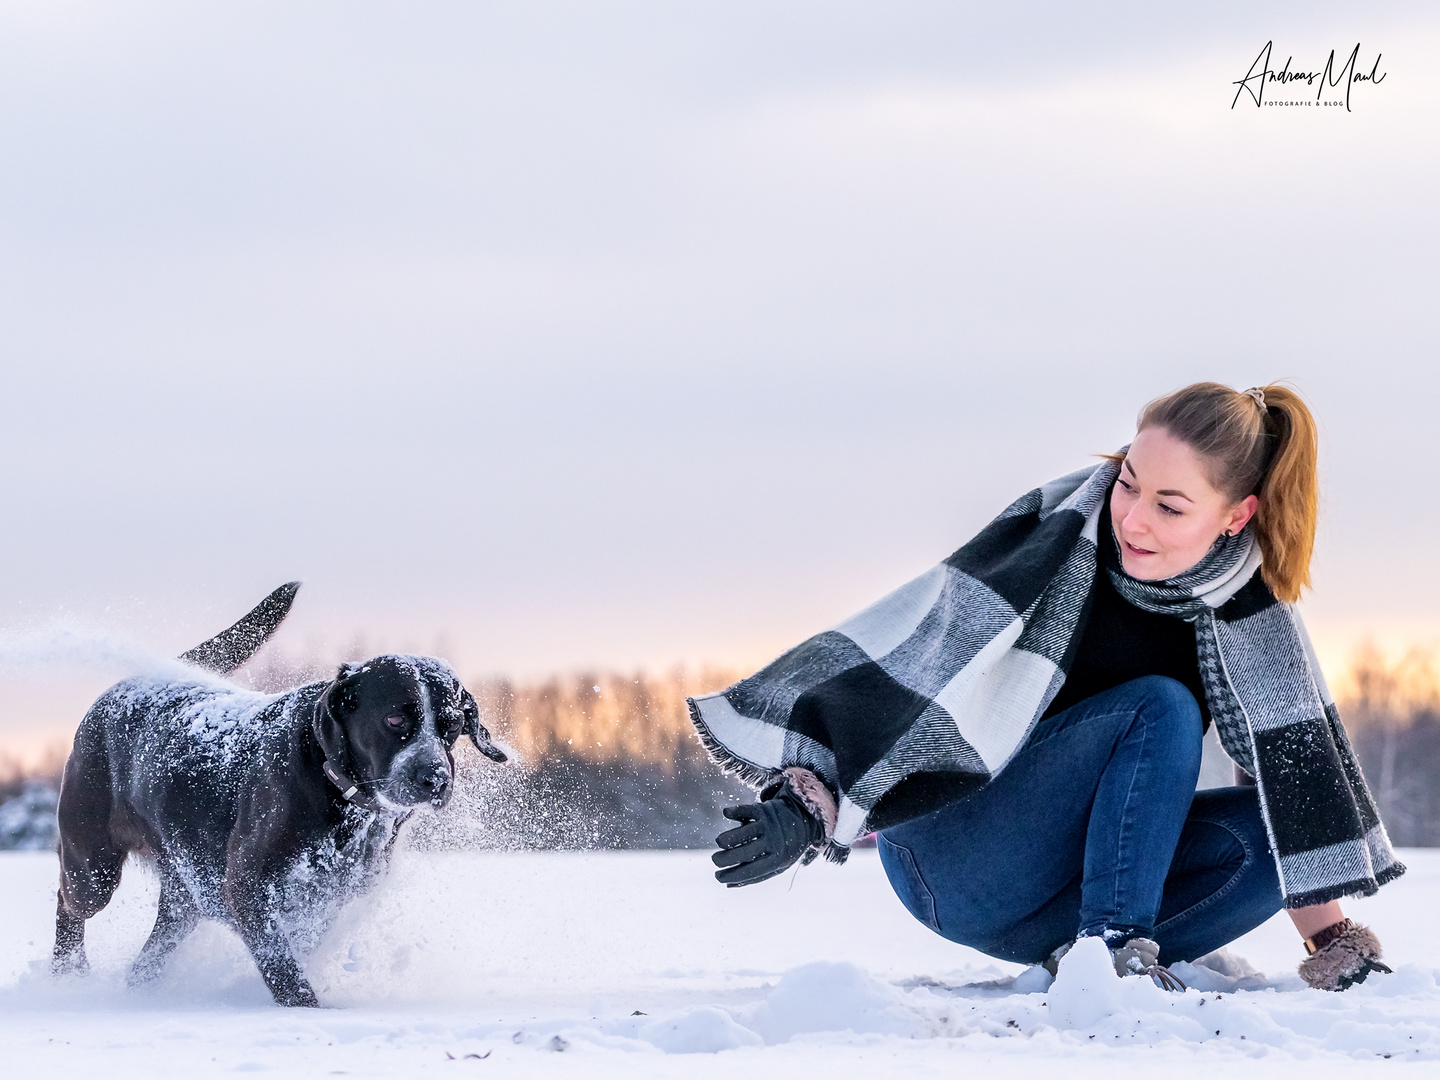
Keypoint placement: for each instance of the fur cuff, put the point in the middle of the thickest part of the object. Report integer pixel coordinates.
(1345, 961)
(816, 797)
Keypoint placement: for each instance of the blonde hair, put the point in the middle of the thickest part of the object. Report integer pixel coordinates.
(1260, 442)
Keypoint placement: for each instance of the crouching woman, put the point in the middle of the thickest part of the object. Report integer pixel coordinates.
(1023, 724)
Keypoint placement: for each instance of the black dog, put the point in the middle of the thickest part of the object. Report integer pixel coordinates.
(264, 811)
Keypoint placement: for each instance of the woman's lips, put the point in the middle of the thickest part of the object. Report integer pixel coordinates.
(1133, 550)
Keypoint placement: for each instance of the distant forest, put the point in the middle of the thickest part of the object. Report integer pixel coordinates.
(611, 761)
(1393, 717)
(606, 761)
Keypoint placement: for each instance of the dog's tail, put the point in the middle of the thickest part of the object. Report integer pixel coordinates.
(230, 648)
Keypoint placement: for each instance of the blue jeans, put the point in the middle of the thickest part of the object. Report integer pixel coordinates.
(1095, 825)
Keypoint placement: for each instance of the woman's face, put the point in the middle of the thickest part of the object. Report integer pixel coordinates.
(1164, 512)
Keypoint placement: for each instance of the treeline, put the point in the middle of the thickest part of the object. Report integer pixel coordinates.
(29, 794)
(1393, 716)
(16, 774)
(611, 761)
(602, 761)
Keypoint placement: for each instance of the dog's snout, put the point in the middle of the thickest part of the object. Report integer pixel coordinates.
(433, 784)
(421, 777)
(438, 781)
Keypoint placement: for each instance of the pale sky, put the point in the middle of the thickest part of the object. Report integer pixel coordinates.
(620, 334)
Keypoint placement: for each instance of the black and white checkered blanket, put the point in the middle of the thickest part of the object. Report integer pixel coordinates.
(923, 697)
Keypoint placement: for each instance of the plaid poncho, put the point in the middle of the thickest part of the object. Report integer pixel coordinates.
(924, 696)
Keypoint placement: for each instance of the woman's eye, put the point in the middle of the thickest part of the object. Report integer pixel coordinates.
(1169, 510)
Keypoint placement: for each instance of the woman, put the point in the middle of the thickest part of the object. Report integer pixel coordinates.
(1023, 724)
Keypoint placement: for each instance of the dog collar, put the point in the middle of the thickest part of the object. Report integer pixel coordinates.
(349, 790)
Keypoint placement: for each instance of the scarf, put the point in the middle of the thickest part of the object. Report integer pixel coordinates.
(926, 695)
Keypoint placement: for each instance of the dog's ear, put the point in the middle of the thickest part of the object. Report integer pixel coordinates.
(476, 730)
(337, 701)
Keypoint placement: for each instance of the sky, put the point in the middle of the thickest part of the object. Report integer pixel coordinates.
(612, 335)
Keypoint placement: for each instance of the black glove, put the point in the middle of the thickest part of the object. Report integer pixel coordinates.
(771, 836)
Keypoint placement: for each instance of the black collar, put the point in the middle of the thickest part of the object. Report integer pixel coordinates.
(349, 789)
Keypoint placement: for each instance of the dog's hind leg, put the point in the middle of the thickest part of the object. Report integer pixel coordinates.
(90, 858)
(85, 888)
(69, 956)
(176, 917)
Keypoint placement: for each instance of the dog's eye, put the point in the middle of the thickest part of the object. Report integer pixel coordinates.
(395, 723)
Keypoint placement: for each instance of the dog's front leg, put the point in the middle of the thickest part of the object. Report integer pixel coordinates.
(253, 910)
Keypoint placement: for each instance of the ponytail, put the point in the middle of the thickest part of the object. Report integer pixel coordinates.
(1260, 442)
(1289, 495)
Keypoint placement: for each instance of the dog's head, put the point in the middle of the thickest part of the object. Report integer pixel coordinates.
(391, 724)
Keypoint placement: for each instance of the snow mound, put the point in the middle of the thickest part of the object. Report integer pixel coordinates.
(1222, 970)
(829, 996)
(706, 1030)
(1086, 988)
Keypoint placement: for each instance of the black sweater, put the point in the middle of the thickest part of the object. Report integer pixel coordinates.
(1120, 642)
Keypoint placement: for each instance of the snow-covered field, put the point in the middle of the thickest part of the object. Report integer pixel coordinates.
(638, 964)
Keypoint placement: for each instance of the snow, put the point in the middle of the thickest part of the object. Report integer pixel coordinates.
(637, 964)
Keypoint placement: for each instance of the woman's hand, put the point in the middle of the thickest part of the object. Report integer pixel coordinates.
(1342, 952)
(771, 837)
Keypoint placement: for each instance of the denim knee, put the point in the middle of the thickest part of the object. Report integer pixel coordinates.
(1170, 711)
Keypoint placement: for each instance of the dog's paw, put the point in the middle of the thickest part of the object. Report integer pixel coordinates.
(297, 997)
(70, 964)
